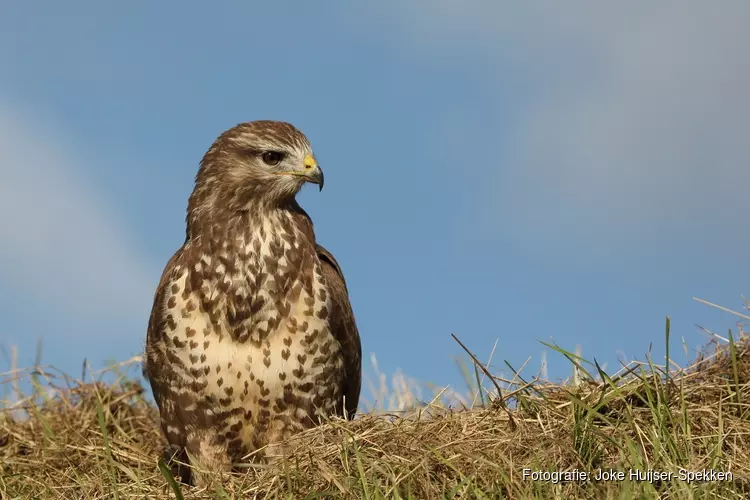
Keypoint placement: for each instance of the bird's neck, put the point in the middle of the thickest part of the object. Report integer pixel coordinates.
(201, 220)
(217, 224)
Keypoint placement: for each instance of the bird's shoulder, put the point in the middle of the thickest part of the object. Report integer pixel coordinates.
(329, 262)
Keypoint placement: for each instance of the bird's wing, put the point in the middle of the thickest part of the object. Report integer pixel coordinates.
(157, 368)
(156, 319)
(344, 328)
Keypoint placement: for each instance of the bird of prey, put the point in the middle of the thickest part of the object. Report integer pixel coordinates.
(251, 337)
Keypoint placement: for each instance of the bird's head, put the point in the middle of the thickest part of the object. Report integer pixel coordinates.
(254, 165)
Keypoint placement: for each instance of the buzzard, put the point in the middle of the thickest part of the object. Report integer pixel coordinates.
(251, 336)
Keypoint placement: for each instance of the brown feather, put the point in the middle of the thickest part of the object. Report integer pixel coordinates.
(344, 328)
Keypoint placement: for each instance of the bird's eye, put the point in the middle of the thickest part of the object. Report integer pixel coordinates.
(272, 157)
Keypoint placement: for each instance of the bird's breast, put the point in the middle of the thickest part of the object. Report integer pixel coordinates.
(250, 326)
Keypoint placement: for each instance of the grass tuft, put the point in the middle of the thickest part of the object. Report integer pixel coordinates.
(99, 438)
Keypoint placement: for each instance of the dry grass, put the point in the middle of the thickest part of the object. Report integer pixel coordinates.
(76, 439)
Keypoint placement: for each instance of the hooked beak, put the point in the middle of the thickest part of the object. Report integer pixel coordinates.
(313, 173)
(316, 177)
(310, 173)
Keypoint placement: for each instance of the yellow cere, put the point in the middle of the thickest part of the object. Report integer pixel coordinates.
(310, 162)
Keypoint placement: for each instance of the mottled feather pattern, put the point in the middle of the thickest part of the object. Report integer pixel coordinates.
(251, 336)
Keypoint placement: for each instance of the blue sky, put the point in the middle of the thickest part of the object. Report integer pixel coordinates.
(503, 172)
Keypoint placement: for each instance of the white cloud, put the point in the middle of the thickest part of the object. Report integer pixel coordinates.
(639, 118)
(61, 246)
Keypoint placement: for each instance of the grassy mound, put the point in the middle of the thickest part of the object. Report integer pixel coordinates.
(70, 439)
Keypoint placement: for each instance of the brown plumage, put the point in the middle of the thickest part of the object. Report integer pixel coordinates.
(251, 337)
